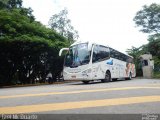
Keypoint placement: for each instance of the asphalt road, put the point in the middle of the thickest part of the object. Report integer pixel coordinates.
(136, 96)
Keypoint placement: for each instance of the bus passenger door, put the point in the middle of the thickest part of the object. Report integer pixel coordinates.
(97, 71)
(96, 66)
(94, 70)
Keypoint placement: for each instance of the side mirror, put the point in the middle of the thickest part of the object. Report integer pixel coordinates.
(60, 52)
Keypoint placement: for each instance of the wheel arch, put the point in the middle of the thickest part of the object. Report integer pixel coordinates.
(108, 71)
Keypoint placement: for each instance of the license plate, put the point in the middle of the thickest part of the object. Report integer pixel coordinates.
(73, 76)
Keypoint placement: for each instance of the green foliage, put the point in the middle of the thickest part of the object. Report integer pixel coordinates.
(9, 4)
(149, 19)
(135, 53)
(62, 25)
(156, 64)
(28, 49)
(153, 48)
(156, 74)
(15, 3)
(154, 45)
(3, 4)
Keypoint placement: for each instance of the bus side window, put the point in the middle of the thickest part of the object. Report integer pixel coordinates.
(129, 60)
(95, 54)
(103, 52)
(100, 53)
(112, 53)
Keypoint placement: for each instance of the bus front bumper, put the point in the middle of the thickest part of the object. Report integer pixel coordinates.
(77, 76)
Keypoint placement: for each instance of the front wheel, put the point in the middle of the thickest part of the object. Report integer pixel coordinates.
(107, 77)
(85, 82)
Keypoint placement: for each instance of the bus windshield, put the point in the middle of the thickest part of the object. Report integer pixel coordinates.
(78, 55)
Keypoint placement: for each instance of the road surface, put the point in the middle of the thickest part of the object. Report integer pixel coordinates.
(136, 96)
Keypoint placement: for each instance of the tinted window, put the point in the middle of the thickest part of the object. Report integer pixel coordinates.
(103, 52)
(114, 53)
(120, 56)
(100, 53)
(95, 54)
(129, 59)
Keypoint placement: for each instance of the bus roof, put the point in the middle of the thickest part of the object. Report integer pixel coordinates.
(81, 42)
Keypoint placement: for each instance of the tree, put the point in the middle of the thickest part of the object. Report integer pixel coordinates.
(149, 19)
(27, 48)
(135, 53)
(154, 45)
(154, 49)
(15, 3)
(3, 4)
(62, 25)
(10, 4)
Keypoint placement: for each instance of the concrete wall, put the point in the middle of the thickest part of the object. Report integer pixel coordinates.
(147, 65)
(147, 71)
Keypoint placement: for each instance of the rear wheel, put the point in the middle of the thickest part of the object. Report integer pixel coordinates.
(107, 77)
(114, 79)
(85, 82)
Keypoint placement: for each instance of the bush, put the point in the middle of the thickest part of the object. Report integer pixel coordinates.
(156, 74)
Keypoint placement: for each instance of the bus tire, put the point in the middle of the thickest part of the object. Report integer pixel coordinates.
(107, 77)
(85, 82)
(114, 79)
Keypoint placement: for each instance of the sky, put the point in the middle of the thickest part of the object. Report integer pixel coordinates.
(108, 22)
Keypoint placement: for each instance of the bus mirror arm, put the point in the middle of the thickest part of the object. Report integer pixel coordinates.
(60, 52)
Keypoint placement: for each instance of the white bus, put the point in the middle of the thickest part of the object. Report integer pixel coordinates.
(88, 61)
